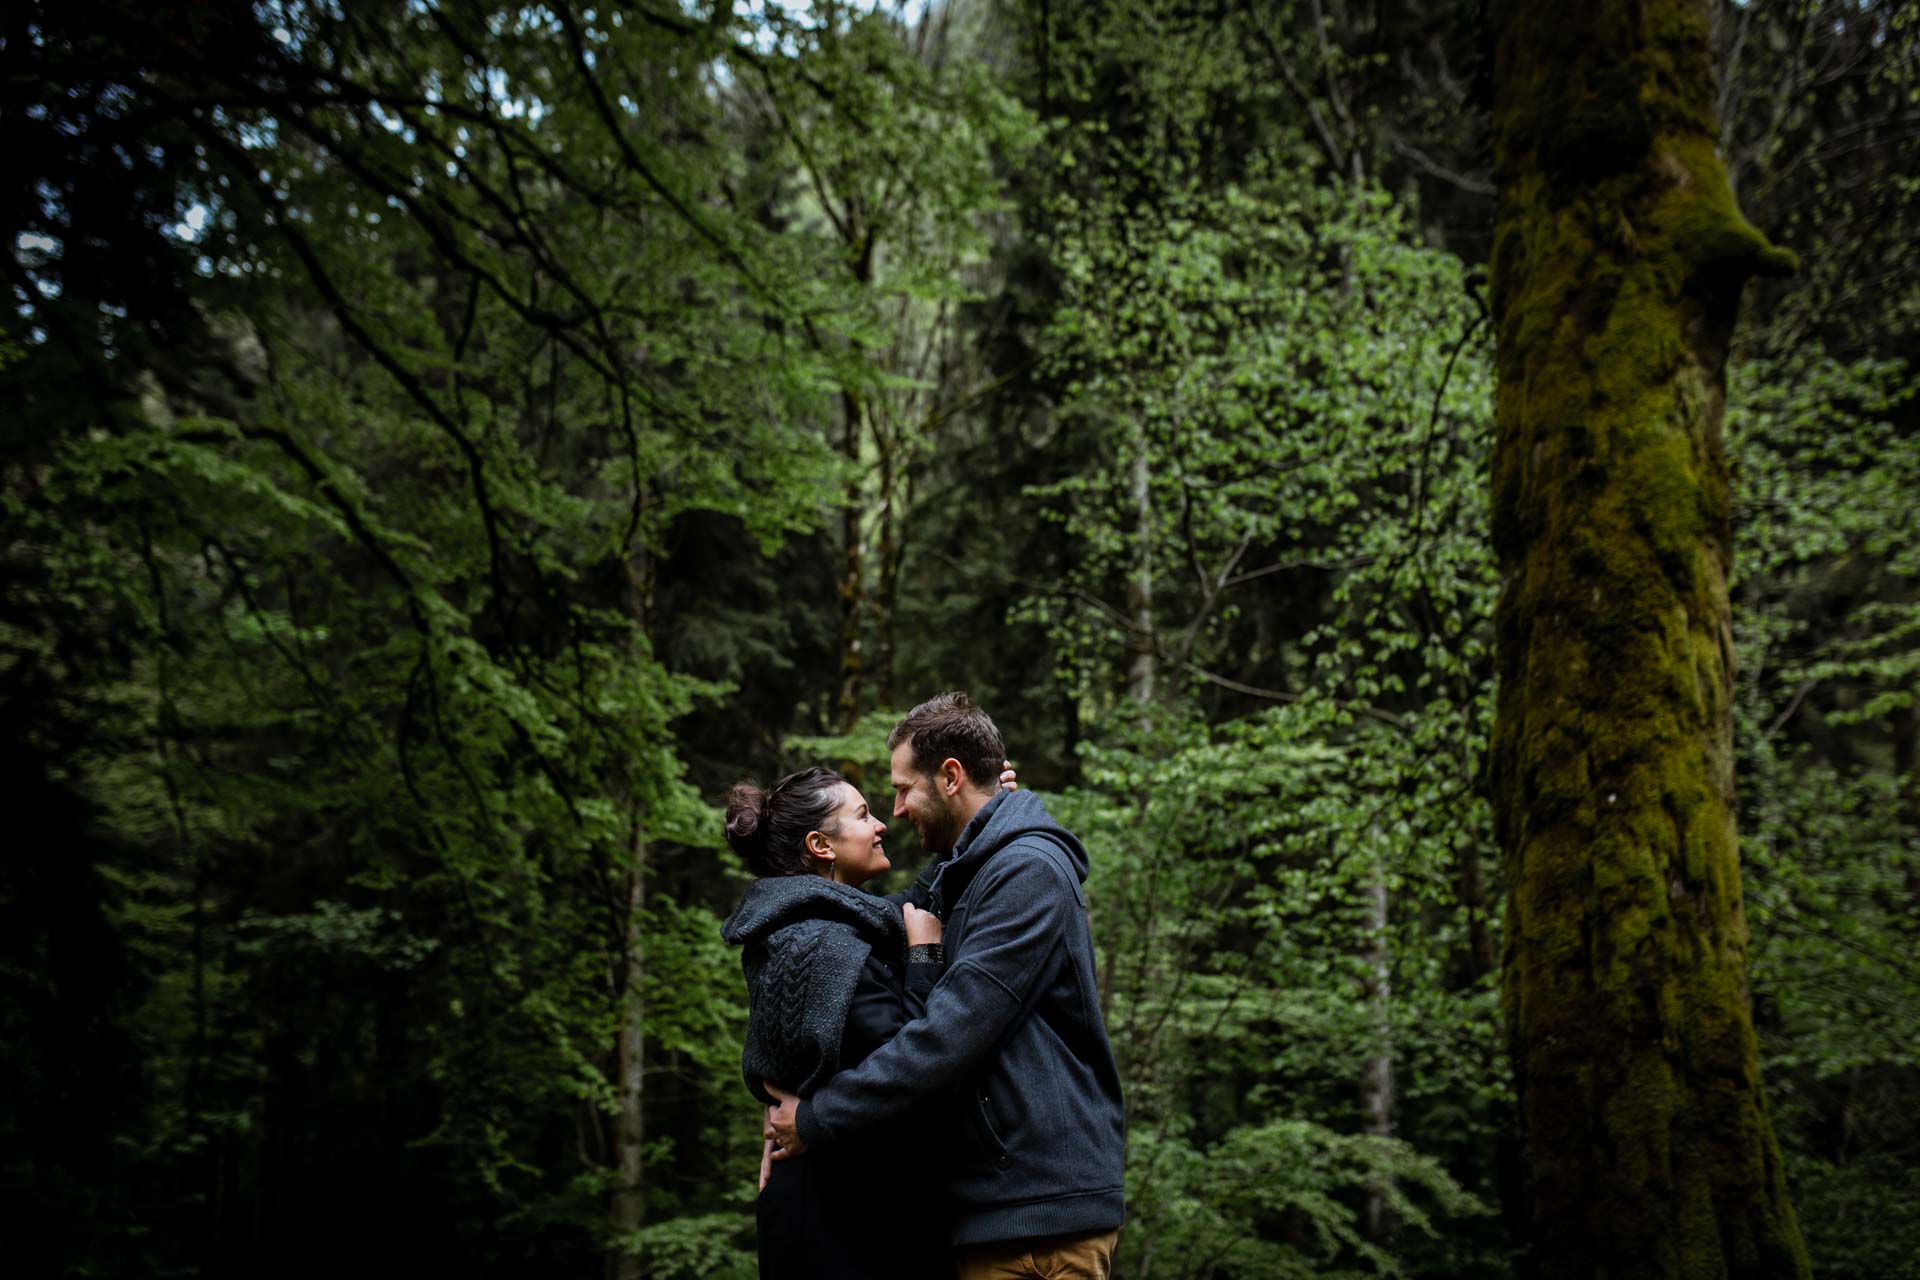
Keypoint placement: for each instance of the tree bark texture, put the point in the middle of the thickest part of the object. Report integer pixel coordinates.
(1140, 645)
(853, 569)
(629, 1208)
(886, 594)
(1376, 1073)
(1619, 257)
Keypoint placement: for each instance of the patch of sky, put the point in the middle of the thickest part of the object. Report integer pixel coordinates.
(257, 135)
(192, 227)
(390, 122)
(535, 19)
(113, 99)
(289, 23)
(33, 245)
(494, 85)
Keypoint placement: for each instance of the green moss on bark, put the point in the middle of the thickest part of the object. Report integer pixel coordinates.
(1619, 253)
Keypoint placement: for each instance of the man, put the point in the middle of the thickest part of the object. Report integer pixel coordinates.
(1012, 1033)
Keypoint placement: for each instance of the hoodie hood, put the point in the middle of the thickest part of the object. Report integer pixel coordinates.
(804, 940)
(1004, 819)
(774, 902)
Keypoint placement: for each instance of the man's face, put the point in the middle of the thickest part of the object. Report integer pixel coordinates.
(920, 800)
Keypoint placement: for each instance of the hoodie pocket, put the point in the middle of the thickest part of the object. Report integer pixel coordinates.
(984, 1124)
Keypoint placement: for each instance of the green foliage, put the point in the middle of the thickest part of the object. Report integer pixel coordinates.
(1233, 898)
(1831, 833)
(702, 1247)
(1201, 1211)
(440, 436)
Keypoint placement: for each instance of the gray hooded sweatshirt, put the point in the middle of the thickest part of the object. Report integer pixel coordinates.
(1012, 1036)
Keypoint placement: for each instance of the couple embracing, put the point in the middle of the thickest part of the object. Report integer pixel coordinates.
(941, 1097)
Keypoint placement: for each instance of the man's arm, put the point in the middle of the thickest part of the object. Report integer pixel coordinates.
(1023, 909)
(877, 1012)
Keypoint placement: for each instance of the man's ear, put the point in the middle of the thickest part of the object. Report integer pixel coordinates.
(952, 777)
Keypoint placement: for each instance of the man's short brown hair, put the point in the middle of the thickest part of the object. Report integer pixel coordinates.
(949, 726)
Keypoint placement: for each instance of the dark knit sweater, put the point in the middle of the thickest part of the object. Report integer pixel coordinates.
(805, 941)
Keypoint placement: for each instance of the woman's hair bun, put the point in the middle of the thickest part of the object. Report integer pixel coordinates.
(747, 820)
(768, 829)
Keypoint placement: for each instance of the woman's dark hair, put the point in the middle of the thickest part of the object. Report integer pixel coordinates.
(767, 827)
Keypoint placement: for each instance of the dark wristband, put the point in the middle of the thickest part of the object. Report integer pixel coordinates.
(927, 953)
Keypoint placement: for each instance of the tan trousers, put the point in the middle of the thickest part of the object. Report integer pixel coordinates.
(1081, 1257)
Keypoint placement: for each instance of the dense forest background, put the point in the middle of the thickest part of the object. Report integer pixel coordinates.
(448, 444)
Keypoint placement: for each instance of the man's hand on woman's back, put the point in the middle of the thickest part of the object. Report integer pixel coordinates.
(780, 1127)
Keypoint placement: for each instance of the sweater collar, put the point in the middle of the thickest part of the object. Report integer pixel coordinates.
(977, 824)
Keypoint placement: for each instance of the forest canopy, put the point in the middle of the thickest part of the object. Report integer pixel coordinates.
(448, 445)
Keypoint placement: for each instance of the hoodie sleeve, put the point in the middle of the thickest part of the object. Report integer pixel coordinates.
(881, 1006)
(1023, 909)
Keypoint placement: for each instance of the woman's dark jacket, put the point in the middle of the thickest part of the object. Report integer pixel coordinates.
(827, 984)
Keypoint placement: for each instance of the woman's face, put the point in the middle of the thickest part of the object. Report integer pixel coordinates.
(855, 844)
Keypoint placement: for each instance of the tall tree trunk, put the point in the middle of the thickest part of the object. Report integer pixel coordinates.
(886, 592)
(1481, 960)
(1140, 644)
(1904, 725)
(1376, 1073)
(853, 570)
(1619, 256)
(629, 1129)
(626, 1210)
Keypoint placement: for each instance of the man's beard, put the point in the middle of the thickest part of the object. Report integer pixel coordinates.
(942, 826)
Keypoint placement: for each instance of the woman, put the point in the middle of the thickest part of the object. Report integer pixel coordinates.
(832, 973)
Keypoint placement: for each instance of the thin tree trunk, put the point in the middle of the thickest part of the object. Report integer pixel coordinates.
(853, 571)
(887, 576)
(1376, 1074)
(1481, 960)
(1619, 256)
(1904, 725)
(1140, 644)
(627, 1206)
(629, 1130)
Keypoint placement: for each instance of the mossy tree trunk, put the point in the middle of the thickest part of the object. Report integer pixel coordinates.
(1619, 257)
